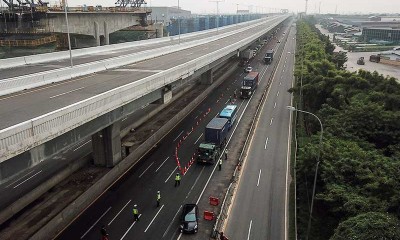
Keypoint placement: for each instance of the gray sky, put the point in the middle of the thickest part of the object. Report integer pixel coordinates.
(229, 6)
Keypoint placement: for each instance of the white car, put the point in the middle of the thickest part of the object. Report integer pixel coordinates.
(248, 69)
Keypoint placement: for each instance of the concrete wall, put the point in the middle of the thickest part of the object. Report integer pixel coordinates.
(83, 22)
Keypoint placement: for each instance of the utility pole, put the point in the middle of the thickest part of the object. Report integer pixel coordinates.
(305, 11)
(319, 10)
(217, 2)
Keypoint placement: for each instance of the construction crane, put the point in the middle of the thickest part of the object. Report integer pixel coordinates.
(132, 3)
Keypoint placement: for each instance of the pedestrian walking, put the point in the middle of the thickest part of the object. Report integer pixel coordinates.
(177, 180)
(220, 164)
(222, 236)
(104, 233)
(135, 213)
(158, 198)
(226, 154)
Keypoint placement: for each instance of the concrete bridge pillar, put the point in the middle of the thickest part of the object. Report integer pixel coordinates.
(97, 33)
(159, 30)
(166, 94)
(207, 77)
(106, 34)
(106, 145)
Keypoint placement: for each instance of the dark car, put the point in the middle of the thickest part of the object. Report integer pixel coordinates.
(189, 218)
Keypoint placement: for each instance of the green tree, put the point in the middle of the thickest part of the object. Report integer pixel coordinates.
(368, 226)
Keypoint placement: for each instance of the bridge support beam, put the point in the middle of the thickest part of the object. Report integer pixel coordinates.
(207, 77)
(106, 145)
(97, 33)
(106, 34)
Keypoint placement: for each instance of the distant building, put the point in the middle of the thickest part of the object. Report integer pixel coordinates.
(389, 35)
(166, 14)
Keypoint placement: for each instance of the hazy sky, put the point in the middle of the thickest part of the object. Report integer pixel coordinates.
(327, 6)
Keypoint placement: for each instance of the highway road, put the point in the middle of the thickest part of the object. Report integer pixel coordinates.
(156, 172)
(23, 106)
(259, 209)
(51, 65)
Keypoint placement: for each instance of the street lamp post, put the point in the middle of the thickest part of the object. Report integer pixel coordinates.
(69, 39)
(316, 166)
(179, 24)
(217, 2)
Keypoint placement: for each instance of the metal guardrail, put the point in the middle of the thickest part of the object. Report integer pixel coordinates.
(31, 133)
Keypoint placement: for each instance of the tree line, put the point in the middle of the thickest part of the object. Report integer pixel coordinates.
(358, 183)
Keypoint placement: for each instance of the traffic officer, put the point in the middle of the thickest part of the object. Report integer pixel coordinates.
(135, 212)
(220, 164)
(158, 198)
(177, 180)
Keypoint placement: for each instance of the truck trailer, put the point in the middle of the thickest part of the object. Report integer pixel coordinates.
(269, 56)
(215, 138)
(249, 85)
(246, 56)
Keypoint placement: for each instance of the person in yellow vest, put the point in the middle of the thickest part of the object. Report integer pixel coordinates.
(135, 212)
(158, 198)
(177, 180)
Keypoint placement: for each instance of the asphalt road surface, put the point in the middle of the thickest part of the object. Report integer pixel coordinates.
(23, 106)
(259, 209)
(156, 173)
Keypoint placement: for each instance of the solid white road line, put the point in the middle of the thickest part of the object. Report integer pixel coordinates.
(169, 226)
(96, 222)
(112, 220)
(27, 179)
(198, 138)
(248, 235)
(178, 136)
(162, 164)
(19, 178)
(67, 92)
(82, 145)
(270, 123)
(153, 218)
(173, 171)
(146, 170)
(266, 143)
(129, 228)
(259, 175)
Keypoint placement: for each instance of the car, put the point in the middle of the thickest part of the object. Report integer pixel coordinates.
(189, 218)
(248, 69)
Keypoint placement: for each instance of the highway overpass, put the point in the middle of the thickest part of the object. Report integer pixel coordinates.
(42, 121)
